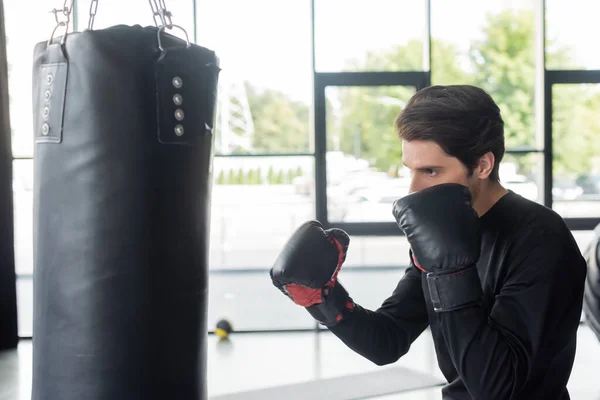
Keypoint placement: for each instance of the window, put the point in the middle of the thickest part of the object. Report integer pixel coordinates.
(576, 150)
(523, 174)
(364, 159)
(571, 32)
(490, 44)
(265, 86)
(378, 35)
(21, 39)
(257, 203)
(369, 59)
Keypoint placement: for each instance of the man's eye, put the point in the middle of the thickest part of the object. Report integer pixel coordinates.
(431, 172)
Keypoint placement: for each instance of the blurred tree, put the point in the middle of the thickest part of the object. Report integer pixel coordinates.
(240, 178)
(503, 61)
(221, 178)
(504, 64)
(281, 125)
(575, 130)
(365, 116)
(270, 176)
(259, 176)
(231, 177)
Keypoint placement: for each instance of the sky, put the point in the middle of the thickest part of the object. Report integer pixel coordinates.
(268, 42)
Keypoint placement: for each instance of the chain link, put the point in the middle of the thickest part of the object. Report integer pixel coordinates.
(93, 10)
(162, 16)
(65, 11)
(62, 21)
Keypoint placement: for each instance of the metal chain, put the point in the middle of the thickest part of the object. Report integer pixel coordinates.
(93, 10)
(162, 16)
(65, 10)
(64, 21)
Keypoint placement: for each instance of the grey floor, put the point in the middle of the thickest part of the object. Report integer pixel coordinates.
(252, 361)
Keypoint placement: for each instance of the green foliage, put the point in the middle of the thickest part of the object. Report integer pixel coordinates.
(281, 125)
(360, 120)
(270, 175)
(221, 178)
(279, 179)
(240, 178)
(231, 177)
(366, 122)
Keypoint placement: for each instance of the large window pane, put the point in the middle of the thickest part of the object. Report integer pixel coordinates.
(364, 153)
(27, 23)
(572, 30)
(265, 86)
(376, 35)
(490, 44)
(576, 150)
(257, 202)
(375, 251)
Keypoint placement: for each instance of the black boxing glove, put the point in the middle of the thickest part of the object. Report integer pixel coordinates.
(443, 231)
(307, 268)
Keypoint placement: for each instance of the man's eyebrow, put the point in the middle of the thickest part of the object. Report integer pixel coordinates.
(425, 167)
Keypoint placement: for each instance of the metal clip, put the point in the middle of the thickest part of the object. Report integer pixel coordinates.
(60, 22)
(162, 28)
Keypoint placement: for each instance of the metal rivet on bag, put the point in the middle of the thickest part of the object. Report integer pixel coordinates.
(177, 82)
(47, 95)
(179, 130)
(179, 115)
(177, 99)
(46, 112)
(45, 129)
(49, 79)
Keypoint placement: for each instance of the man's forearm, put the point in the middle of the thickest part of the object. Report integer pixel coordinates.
(376, 336)
(385, 335)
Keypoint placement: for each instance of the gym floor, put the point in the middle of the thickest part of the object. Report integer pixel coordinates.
(252, 361)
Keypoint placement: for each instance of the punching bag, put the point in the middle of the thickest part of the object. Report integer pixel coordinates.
(123, 121)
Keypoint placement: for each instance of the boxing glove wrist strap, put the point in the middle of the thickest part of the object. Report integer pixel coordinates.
(451, 290)
(334, 308)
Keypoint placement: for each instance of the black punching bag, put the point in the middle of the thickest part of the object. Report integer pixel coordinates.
(123, 173)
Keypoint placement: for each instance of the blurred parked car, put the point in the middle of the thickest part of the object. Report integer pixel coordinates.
(590, 184)
(374, 204)
(565, 189)
(522, 186)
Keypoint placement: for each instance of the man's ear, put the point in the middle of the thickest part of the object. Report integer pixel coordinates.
(485, 166)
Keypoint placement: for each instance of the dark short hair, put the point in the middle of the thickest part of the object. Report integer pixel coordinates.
(463, 120)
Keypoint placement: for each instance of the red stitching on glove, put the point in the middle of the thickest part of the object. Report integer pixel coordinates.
(417, 264)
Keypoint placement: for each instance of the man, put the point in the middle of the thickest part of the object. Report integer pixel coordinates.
(498, 279)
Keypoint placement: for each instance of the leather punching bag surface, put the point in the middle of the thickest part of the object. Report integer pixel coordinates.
(123, 165)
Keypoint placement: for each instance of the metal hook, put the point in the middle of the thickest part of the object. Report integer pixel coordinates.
(64, 38)
(162, 28)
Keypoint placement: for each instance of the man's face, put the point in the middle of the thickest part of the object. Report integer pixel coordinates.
(430, 166)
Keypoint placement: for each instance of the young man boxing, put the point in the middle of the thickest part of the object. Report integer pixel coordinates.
(498, 279)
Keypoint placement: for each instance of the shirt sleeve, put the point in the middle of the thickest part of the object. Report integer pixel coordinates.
(385, 335)
(541, 294)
